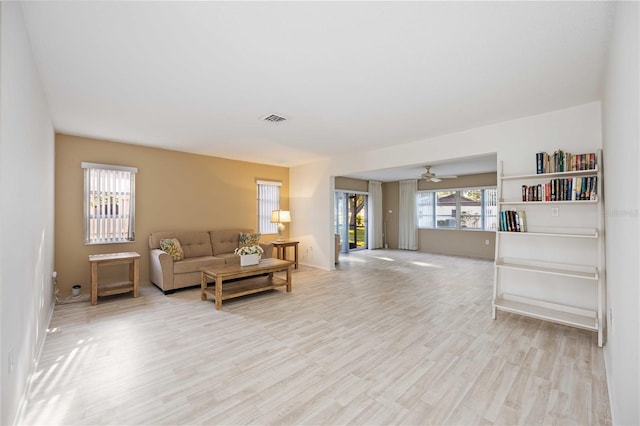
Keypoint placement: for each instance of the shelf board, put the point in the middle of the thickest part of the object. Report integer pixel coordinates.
(547, 314)
(575, 202)
(554, 234)
(115, 288)
(591, 172)
(233, 289)
(547, 270)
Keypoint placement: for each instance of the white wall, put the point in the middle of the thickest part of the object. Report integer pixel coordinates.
(311, 223)
(622, 157)
(576, 129)
(26, 212)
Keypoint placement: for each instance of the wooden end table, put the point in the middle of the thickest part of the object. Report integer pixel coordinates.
(132, 258)
(241, 288)
(281, 250)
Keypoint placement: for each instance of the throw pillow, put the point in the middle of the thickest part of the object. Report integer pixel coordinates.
(252, 239)
(172, 247)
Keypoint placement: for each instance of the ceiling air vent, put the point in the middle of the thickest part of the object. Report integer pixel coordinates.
(274, 118)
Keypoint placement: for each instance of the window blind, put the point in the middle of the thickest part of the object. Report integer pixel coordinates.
(268, 200)
(109, 203)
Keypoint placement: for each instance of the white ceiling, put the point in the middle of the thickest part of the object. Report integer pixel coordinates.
(349, 76)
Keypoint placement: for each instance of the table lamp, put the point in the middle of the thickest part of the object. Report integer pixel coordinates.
(280, 217)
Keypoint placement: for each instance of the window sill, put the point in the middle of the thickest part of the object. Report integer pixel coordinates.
(109, 243)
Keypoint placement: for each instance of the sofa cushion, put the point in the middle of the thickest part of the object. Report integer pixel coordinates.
(195, 263)
(154, 238)
(249, 239)
(225, 241)
(172, 247)
(195, 244)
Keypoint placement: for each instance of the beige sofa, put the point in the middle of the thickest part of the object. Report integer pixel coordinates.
(201, 249)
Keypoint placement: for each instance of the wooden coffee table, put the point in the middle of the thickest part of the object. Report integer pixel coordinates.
(244, 287)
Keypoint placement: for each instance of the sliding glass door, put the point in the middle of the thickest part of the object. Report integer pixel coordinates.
(351, 220)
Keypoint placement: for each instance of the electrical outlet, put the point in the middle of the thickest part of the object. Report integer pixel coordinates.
(10, 360)
(486, 242)
(555, 211)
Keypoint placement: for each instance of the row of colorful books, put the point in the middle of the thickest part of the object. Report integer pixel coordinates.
(561, 161)
(513, 221)
(567, 189)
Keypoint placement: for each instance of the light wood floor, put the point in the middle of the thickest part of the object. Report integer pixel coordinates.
(392, 337)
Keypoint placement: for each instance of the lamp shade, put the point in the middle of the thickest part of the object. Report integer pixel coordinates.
(280, 216)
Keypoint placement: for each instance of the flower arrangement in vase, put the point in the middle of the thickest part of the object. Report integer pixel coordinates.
(249, 255)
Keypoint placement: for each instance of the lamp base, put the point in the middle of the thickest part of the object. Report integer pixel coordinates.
(281, 229)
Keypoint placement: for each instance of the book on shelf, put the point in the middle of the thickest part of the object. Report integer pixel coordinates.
(512, 221)
(547, 191)
(523, 220)
(562, 161)
(562, 189)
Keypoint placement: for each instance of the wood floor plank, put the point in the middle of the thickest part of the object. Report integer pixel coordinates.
(391, 337)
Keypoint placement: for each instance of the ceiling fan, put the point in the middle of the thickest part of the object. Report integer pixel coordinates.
(431, 177)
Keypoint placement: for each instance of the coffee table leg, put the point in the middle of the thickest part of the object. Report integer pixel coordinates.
(289, 279)
(218, 293)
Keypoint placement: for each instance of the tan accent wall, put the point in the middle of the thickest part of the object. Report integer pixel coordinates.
(459, 243)
(442, 241)
(174, 191)
(350, 184)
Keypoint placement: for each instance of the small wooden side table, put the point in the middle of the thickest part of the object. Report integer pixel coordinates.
(281, 250)
(132, 258)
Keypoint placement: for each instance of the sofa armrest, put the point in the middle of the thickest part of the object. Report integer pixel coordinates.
(161, 269)
(268, 249)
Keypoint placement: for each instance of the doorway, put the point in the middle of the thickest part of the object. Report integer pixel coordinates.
(351, 220)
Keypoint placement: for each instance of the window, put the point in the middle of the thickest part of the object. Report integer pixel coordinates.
(490, 205)
(470, 208)
(268, 201)
(446, 202)
(424, 203)
(109, 203)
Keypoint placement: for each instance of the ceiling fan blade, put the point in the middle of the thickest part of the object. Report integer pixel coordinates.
(432, 177)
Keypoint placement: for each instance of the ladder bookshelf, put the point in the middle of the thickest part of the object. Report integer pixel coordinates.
(551, 268)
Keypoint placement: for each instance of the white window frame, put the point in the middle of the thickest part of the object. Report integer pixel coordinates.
(268, 199)
(114, 221)
(425, 211)
(433, 207)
